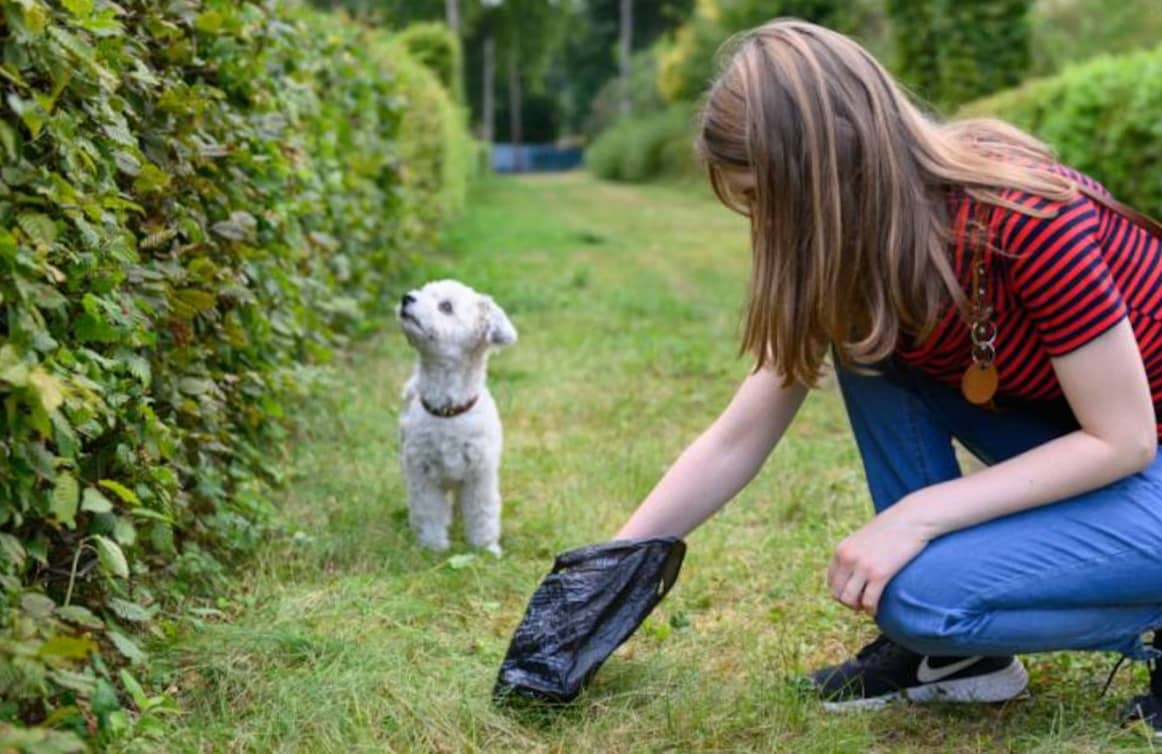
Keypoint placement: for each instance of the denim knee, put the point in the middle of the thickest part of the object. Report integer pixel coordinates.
(916, 613)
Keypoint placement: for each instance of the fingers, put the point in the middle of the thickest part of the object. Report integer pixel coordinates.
(853, 591)
(870, 601)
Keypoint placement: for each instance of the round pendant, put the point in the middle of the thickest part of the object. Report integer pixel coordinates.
(979, 383)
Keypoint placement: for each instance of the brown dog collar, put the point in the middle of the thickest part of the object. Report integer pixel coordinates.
(448, 412)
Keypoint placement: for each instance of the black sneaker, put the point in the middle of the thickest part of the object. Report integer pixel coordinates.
(884, 672)
(1148, 707)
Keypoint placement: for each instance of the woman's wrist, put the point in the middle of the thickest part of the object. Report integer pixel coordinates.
(921, 512)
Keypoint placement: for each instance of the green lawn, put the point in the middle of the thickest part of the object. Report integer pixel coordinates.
(347, 638)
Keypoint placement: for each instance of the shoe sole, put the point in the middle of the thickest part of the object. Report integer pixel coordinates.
(998, 686)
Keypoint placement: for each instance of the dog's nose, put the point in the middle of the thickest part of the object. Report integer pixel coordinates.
(407, 299)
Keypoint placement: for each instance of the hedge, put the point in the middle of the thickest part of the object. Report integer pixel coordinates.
(200, 201)
(434, 45)
(1103, 117)
(647, 147)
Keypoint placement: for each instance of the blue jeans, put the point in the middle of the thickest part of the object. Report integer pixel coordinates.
(1082, 573)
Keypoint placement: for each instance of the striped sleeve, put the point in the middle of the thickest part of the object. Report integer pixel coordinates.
(1059, 273)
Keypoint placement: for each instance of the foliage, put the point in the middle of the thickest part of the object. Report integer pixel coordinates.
(951, 52)
(689, 60)
(585, 73)
(1067, 32)
(1103, 117)
(200, 201)
(643, 92)
(646, 147)
(435, 46)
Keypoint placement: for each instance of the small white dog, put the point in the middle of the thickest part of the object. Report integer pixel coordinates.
(450, 436)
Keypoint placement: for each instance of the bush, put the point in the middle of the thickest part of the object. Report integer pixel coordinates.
(1072, 31)
(200, 201)
(646, 147)
(434, 45)
(1103, 117)
(951, 51)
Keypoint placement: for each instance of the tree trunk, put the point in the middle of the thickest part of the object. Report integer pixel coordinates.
(452, 8)
(514, 104)
(625, 48)
(488, 95)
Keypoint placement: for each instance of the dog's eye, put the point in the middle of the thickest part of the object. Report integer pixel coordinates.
(446, 307)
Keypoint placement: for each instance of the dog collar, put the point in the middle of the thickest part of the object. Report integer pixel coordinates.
(449, 411)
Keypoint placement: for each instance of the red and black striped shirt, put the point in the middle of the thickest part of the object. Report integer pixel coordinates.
(1057, 283)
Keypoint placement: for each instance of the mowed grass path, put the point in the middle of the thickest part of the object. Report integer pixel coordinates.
(348, 638)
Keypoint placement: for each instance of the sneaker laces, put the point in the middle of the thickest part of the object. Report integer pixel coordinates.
(882, 652)
(1154, 666)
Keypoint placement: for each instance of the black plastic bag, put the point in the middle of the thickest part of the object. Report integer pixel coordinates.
(590, 603)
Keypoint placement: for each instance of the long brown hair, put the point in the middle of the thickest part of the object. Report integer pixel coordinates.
(849, 218)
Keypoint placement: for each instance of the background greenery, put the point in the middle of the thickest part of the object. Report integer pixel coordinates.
(1104, 117)
(200, 202)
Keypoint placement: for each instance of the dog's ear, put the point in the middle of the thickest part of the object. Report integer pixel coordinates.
(499, 330)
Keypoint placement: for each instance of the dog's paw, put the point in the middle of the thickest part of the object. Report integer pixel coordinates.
(434, 543)
(495, 549)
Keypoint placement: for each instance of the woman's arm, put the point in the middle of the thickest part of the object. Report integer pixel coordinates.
(1106, 386)
(721, 461)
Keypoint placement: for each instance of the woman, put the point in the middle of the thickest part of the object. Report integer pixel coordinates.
(968, 287)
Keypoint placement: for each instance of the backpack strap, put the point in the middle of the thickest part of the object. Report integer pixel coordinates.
(1144, 221)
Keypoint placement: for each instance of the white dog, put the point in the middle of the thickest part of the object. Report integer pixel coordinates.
(450, 433)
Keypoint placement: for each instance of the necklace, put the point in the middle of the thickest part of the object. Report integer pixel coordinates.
(980, 380)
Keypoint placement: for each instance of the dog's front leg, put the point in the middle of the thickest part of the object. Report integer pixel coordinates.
(429, 511)
(479, 499)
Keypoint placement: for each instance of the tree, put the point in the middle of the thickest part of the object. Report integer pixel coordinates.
(624, 51)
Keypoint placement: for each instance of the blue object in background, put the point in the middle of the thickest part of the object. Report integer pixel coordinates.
(535, 158)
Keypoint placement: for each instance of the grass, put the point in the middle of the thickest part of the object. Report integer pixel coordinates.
(347, 638)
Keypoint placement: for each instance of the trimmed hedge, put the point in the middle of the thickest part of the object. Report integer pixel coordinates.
(434, 45)
(200, 202)
(1103, 117)
(647, 147)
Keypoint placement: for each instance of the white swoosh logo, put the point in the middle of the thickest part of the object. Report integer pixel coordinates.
(927, 674)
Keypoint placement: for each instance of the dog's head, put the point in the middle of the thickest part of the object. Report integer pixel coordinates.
(448, 319)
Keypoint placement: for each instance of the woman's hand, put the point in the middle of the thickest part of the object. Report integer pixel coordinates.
(867, 560)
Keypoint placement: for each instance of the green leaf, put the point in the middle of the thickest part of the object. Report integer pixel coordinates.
(209, 22)
(8, 140)
(63, 502)
(110, 556)
(151, 179)
(37, 226)
(134, 688)
(124, 532)
(81, 616)
(94, 501)
(126, 163)
(37, 606)
(68, 647)
(458, 562)
(48, 388)
(79, 8)
(139, 368)
(13, 369)
(121, 491)
(82, 683)
(127, 647)
(129, 611)
(35, 17)
(199, 301)
(239, 227)
(11, 549)
(194, 385)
